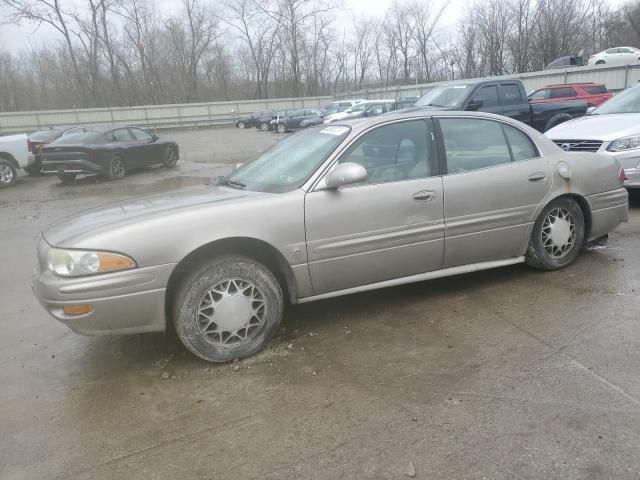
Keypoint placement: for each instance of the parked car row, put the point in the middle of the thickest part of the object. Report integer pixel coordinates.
(617, 56)
(69, 151)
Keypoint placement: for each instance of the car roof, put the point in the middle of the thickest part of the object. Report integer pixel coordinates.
(367, 122)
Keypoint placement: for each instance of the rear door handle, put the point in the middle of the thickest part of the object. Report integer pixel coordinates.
(537, 177)
(425, 196)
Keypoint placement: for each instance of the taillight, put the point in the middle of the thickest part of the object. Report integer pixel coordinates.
(621, 176)
(29, 146)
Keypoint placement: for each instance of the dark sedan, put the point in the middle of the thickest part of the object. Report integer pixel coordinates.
(40, 139)
(110, 151)
(258, 119)
(293, 121)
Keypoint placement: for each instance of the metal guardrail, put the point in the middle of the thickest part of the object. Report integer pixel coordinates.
(152, 116)
(615, 78)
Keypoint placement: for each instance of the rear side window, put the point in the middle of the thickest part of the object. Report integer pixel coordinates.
(121, 135)
(596, 89)
(510, 94)
(488, 95)
(522, 147)
(563, 92)
(80, 138)
(471, 144)
(140, 135)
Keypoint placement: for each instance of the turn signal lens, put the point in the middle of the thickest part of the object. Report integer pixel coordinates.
(77, 309)
(621, 176)
(71, 263)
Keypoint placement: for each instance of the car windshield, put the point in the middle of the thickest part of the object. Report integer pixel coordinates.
(44, 135)
(289, 163)
(625, 102)
(80, 138)
(446, 96)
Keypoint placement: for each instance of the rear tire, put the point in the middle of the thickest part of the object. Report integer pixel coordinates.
(227, 309)
(264, 126)
(170, 157)
(600, 62)
(8, 173)
(116, 169)
(242, 125)
(67, 177)
(35, 168)
(557, 120)
(557, 236)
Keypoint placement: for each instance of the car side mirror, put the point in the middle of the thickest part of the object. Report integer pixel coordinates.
(590, 109)
(346, 174)
(475, 104)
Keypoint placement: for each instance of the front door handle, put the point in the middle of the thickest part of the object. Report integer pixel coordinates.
(425, 196)
(537, 177)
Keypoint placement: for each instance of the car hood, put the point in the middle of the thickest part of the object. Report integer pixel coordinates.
(597, 127)
(138, 209)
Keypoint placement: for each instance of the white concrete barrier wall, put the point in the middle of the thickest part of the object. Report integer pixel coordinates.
(152, 116)
(220, 113)
(615, 78)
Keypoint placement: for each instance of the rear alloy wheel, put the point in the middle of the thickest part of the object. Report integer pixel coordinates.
(170, 157)
(116, 168)
(600, 62)
(557, 235)
(228, 309)
(264, 126)
(8, 173)
(67, 177)
(282, 128)
(242, 125)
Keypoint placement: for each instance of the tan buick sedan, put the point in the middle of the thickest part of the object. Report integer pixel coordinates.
(329, 211)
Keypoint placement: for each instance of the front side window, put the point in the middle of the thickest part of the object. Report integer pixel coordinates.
(472, 144)
(122, 135)
(391, 153)
(488, 95)
(563, 92)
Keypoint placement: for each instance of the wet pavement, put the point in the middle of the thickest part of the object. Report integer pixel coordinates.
(511, 373)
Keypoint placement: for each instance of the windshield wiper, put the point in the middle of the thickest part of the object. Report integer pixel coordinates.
(222, 180)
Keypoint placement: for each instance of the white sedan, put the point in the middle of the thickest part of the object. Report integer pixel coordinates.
(616, 56)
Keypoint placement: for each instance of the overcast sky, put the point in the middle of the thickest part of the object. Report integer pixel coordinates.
(14, 37)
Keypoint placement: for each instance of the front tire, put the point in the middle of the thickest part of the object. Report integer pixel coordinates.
(228, 309)
(281, 128)
(170, 157)
(66, 177)
(116, 168)
(557, 235)
(242, 125)
(8, 173)
(264, 126)
(600, 62)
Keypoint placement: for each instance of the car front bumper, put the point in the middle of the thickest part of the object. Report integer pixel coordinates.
(131, 301)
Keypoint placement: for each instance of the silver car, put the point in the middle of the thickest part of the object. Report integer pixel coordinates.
(329, 211)
(611, 129)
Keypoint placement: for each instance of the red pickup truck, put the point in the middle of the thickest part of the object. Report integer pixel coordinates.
(592, 93)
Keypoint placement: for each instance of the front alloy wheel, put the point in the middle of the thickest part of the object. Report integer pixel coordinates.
(241, 125)
(116, 168)
(282, 128)
(227, 309)
(557, 235)
(170, 157)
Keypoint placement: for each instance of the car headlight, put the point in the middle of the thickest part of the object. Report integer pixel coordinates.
(625, 143)
(73, 263)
